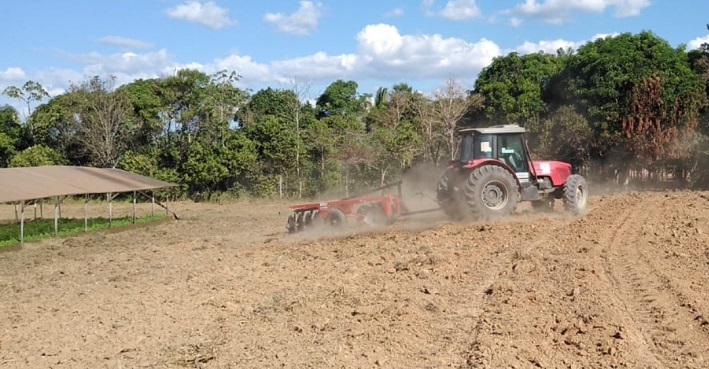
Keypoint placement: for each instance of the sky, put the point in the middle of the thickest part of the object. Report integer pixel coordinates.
(310, 44)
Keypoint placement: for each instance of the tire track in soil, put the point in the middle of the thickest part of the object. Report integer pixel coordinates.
(474, 355)
(659, 324)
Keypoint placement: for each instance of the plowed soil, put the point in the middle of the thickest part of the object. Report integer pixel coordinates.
(626, 286)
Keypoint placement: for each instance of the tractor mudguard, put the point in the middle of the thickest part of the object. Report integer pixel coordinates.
(557, 171)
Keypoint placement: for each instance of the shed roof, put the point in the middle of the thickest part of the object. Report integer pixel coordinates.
(29, 183)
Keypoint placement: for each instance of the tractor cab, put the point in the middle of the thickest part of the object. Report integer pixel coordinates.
(503, 143)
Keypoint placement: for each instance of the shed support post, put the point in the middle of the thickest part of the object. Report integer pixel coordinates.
(56, 217)
(133, 207)
(152, 203)
(86, 212)
(22, 223)
(110, 209)
(57, 205)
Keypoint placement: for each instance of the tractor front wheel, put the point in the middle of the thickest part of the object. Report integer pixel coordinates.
(491, 192)
(575, 194)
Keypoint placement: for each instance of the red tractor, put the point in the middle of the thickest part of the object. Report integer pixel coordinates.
(494, 172)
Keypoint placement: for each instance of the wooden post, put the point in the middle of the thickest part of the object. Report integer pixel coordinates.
(152, 203)
(17, 214)
(22, 223)
(133, 207)
(34, 205)
(280, 186)
(110, 209)
(56, 217)
(86, 213)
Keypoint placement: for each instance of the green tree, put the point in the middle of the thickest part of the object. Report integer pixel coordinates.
(146, 111)
(30, 92)
(565, 135)
(640, 95)
(341, 99)
(321, 147)
(393, 135)
(36, 156)
(217, 111)
(10, 131)
(52, 125)
(513, 87)
(276, 145)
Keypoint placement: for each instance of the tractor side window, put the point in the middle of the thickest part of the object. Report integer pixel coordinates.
(483, 146)
(466, 149)
(511, 151)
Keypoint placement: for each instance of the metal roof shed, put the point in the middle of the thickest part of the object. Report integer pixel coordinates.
(18, 185)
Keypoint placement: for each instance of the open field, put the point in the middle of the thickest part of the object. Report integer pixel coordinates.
(626, 286)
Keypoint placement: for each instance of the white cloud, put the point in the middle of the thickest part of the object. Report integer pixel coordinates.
(127, 63)
(551, 47)
(243, 65)
(381, 54)
(560, 11)
(397, 12)
(453, 10)
(460, 10)
(12, 75)
(515, 22)
(125, 43)
(203, 13)
(301, 22)
(697, 42)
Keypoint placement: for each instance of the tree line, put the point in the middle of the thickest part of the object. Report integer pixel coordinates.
(624, 104)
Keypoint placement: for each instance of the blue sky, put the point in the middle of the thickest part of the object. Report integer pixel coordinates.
(313, 43)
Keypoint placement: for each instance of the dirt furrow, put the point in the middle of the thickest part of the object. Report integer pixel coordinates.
(662, 322)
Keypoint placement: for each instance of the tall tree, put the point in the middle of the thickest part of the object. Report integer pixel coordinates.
(392, 123)
(513, 87)
(146, 110)
(10, 130)
(30, 92)
(100, 122)
(340, 98)
(451, 103)
(640, 95)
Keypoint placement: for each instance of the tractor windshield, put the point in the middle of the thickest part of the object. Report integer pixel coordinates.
(511, 151)
(477, 146)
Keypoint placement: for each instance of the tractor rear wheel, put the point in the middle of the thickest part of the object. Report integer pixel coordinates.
(491, 192)
(575, 194)
(448, 198)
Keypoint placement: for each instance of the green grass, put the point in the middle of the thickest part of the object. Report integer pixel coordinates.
(40, 229)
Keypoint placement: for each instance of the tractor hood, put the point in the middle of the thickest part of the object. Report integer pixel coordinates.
(557, 171)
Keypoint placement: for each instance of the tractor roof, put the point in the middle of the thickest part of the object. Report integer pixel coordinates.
(507, 128)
